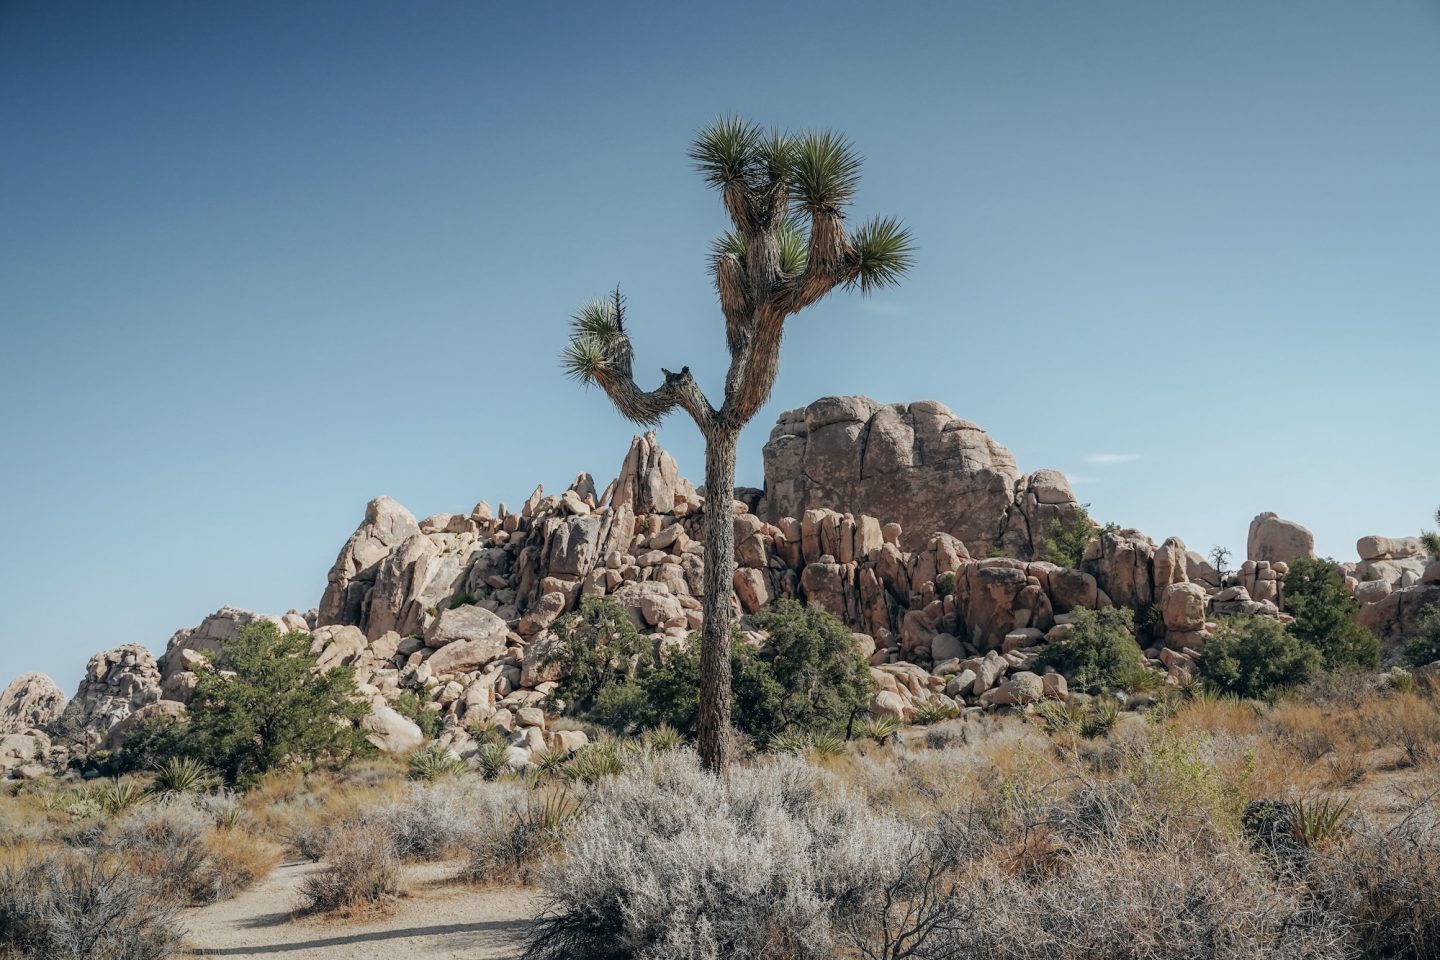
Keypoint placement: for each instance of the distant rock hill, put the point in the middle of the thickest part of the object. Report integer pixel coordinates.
(912, 526)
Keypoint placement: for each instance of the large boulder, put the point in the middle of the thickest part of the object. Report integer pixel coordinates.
(1182, 606)
(390, 731)
(1398, 617)
(117, 683)
(386, 525)
(1122, 563)
(649, 480)
(915, 464)
(1274, 539)
(31, 700)
(465, 638)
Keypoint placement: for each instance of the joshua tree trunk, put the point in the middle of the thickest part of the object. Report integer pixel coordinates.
(767, 268)
(715, 637)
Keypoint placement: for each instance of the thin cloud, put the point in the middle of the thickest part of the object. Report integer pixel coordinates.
(1109, 458)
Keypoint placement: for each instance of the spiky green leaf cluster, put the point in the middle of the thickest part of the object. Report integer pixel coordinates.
(825, 171)
(885, 252)
(734, 151)
(791, 239)
(597, 330)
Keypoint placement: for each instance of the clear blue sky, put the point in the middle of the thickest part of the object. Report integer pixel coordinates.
(260, 262)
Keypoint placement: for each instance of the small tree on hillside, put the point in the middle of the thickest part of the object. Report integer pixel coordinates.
(261, 704)
(1324, 613)
(786, 195)
(1220, 560)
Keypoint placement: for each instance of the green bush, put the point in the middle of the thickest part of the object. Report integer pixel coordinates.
(261, 705)
(1065, 540)
(1256, 656)
(410, 706)
(1099, 652)
(809, 676)
(601, 654)
(1425, 648)
(1324, 613)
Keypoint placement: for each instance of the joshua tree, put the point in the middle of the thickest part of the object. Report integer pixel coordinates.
(786, 195)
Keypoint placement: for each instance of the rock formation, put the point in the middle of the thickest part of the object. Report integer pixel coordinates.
(1272, 538)
(458, 608)
(31, 701)
(914, 464)
(117, 683)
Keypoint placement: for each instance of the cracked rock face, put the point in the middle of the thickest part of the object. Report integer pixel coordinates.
(117, 683)
(915, 464)
(31, 700)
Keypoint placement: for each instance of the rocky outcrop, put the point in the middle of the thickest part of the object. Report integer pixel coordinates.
(914, 464)
(117, 683)
(386, 525)
(459, 609)
(32, 700)
(1272, 539)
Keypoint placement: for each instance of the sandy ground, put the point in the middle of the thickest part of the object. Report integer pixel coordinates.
(437, 920)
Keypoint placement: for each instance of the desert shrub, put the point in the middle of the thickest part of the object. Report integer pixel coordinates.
(808, 676)
(1198, 896)
(519, 831)
(260, 705)
(1255, 657)
(1099, 652)
(361, 872)
(1425, 648)
(1324, 613)
(1382, 883)
(410, 706)
(178, 845)
(601, 654)
(1065, 540)
(429, 822)
(83, 908)
(670, 862)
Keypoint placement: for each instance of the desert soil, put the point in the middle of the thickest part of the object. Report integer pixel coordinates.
(438, 919)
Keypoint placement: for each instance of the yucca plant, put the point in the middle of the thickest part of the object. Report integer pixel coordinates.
(483, 732)
(878, 729)
(1318, 823)
(434, 763)
(184, 775)
(492, 760)
(928, 713)
(594, 762)
(786, 196)
(826, 745)
(1101, 715)
(1430, 539)
(663, 737)
(548, 815)
(791, 742)
(549, 762)
(1058, 717)
(116, 796)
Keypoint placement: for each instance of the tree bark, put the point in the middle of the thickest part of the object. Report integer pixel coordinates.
(720, 444)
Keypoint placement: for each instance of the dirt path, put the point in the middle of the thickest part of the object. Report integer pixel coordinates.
(438, 920)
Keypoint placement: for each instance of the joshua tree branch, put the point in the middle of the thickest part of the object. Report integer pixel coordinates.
(649, 407)
(827, 264)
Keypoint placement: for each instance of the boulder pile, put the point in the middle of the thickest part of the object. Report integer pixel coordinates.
(458, 608)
